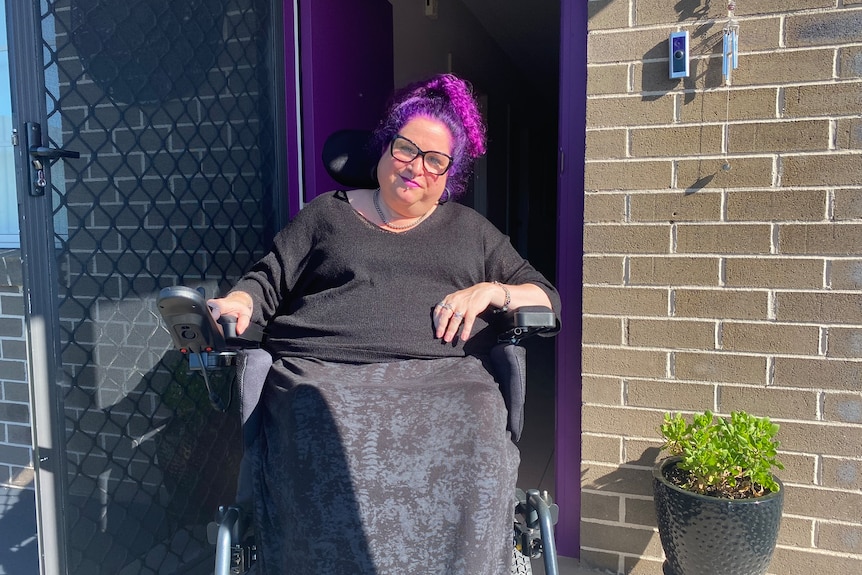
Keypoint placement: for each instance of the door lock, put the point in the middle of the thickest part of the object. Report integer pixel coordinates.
(40, 156)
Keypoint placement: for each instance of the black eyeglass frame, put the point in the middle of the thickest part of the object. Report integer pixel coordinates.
(419, 152)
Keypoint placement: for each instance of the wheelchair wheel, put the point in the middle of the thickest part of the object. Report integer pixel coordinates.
(520, 563)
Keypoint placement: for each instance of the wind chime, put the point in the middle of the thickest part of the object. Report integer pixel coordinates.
(730, 44)
(729, 63)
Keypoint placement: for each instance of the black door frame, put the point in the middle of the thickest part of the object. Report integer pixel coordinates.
(35, 215)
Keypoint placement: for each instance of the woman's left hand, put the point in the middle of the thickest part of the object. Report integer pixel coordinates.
(459, 309)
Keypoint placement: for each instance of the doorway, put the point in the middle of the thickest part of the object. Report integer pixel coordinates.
(509, 50)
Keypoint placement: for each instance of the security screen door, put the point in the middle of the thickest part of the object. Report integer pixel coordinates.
(170, 107)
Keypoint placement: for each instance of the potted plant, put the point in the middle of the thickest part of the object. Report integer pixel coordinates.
(718, 504)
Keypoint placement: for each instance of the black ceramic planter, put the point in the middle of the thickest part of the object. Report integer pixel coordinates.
(709, 536)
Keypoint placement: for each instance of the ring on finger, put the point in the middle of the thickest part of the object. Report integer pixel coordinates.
(458, 314)
(447, 306)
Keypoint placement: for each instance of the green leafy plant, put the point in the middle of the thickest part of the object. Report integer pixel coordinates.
(728, 458)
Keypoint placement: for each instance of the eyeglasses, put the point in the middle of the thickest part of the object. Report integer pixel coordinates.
(404, 150)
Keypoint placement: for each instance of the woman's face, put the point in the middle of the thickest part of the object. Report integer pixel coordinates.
(407, 187)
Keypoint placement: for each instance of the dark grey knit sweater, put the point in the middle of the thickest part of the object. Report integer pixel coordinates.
(338, 288)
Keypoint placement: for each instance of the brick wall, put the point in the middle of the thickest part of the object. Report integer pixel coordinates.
(714, 288)
(16, 467)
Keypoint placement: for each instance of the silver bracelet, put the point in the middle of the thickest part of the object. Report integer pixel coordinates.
(507, 301)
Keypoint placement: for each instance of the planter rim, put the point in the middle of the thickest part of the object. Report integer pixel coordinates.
(658, 475)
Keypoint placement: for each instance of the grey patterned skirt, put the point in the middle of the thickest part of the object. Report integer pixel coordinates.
(395, 468)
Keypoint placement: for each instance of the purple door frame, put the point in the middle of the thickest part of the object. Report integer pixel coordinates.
(570, 217)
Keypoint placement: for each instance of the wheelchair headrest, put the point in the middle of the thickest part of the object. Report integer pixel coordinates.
(349, 159)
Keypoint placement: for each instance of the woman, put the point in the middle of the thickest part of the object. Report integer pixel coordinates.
(384, 446)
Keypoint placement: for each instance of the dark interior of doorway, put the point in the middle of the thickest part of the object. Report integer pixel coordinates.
(522, 92)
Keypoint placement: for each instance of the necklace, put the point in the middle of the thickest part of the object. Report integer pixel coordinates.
(386, 222)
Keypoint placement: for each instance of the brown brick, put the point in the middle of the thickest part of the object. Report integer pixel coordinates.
(652, 76)
(849, 134)
(603, 270)
(624, 239)
(620, 538)
(626, 422)
(671, 334)
(822, 170)
(639, 511)
(822, 308)
(770, 338)
(602, 144)
(607, 79)
(601, 390)
(673, 271)
(695, 175)
(626, 46)
(627, 175)
(670, 395)
(641, 565)
(752, 7)
(629, 111)
(795, 561)
(847, 205)
(845, 342)
(602, 507)
(774, 272)
(846, 275)
(776, 205)
(769, 402)
(795, 531)
(839, 537)
(781, 67)
(820, 239)
(625, 301)
(601, 448)
(817, 373)
(850, 61)
(723, 239)
(823, 28)
(720, 304)
(821, 100)
(604, 207)
(843, 407)
(675, 207)
(649, 12)
(676, 141)
(818, 438)
(812, 502)
(759, 33)
(798, 467)
(604, 15)
(644, 452)
(792, 136)
(602, 330)
(842, 473)
(589, 558)
(746, 104)
(615, 479)
(719, 367)
(624, 362)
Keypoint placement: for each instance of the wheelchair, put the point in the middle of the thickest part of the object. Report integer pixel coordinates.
(209, 344)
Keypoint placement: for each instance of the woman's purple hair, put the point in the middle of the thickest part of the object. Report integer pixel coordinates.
(450, 100)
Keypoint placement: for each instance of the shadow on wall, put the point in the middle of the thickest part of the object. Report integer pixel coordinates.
(635, 480)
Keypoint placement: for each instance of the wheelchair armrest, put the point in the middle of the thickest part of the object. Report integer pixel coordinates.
(517, 324)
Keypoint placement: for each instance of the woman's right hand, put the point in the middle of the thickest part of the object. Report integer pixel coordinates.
(237, 304)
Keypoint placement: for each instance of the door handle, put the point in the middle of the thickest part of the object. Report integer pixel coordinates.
(52, 153)
(41, 157)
